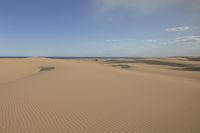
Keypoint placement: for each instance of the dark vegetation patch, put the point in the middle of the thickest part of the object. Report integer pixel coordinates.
(42, 69)
(122, 66)
(191, 69)
(181, 67)
(193, 58)
(151, 62)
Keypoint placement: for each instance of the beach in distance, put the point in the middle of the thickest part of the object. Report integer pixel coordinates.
(100, 95)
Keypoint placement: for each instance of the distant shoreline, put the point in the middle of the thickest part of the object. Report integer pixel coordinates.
(71, 57)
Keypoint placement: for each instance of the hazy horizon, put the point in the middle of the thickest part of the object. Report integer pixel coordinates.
(100, 28)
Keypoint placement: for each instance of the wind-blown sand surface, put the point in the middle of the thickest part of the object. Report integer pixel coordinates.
(39, 95)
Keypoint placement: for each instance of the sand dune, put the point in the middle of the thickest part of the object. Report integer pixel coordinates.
(172, 66)
(91, 97)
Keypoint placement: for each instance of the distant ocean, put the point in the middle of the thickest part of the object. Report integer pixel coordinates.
(79, 58)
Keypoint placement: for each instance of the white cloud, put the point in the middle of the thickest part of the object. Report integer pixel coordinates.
(188, 39)
(151, 41)
(177, 29)
(112, 40)
(147, 6)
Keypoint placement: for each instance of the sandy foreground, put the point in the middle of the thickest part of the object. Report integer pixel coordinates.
(94, 97)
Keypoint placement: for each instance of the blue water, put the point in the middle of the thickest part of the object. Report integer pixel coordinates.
(79, 58)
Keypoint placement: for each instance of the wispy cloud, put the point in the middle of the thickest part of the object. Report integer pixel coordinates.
(188, 39)
(177, 29)
(151, 41)
(147, 5)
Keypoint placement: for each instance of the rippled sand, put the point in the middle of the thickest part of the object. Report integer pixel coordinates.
(93, 97)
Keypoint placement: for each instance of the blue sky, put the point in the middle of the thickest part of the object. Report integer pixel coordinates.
(99, 28)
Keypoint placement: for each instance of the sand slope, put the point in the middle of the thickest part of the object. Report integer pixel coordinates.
(87, 97)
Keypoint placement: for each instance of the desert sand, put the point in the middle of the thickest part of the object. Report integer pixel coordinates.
(40, 95)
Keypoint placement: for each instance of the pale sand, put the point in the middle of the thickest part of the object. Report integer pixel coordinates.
(93, 97)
